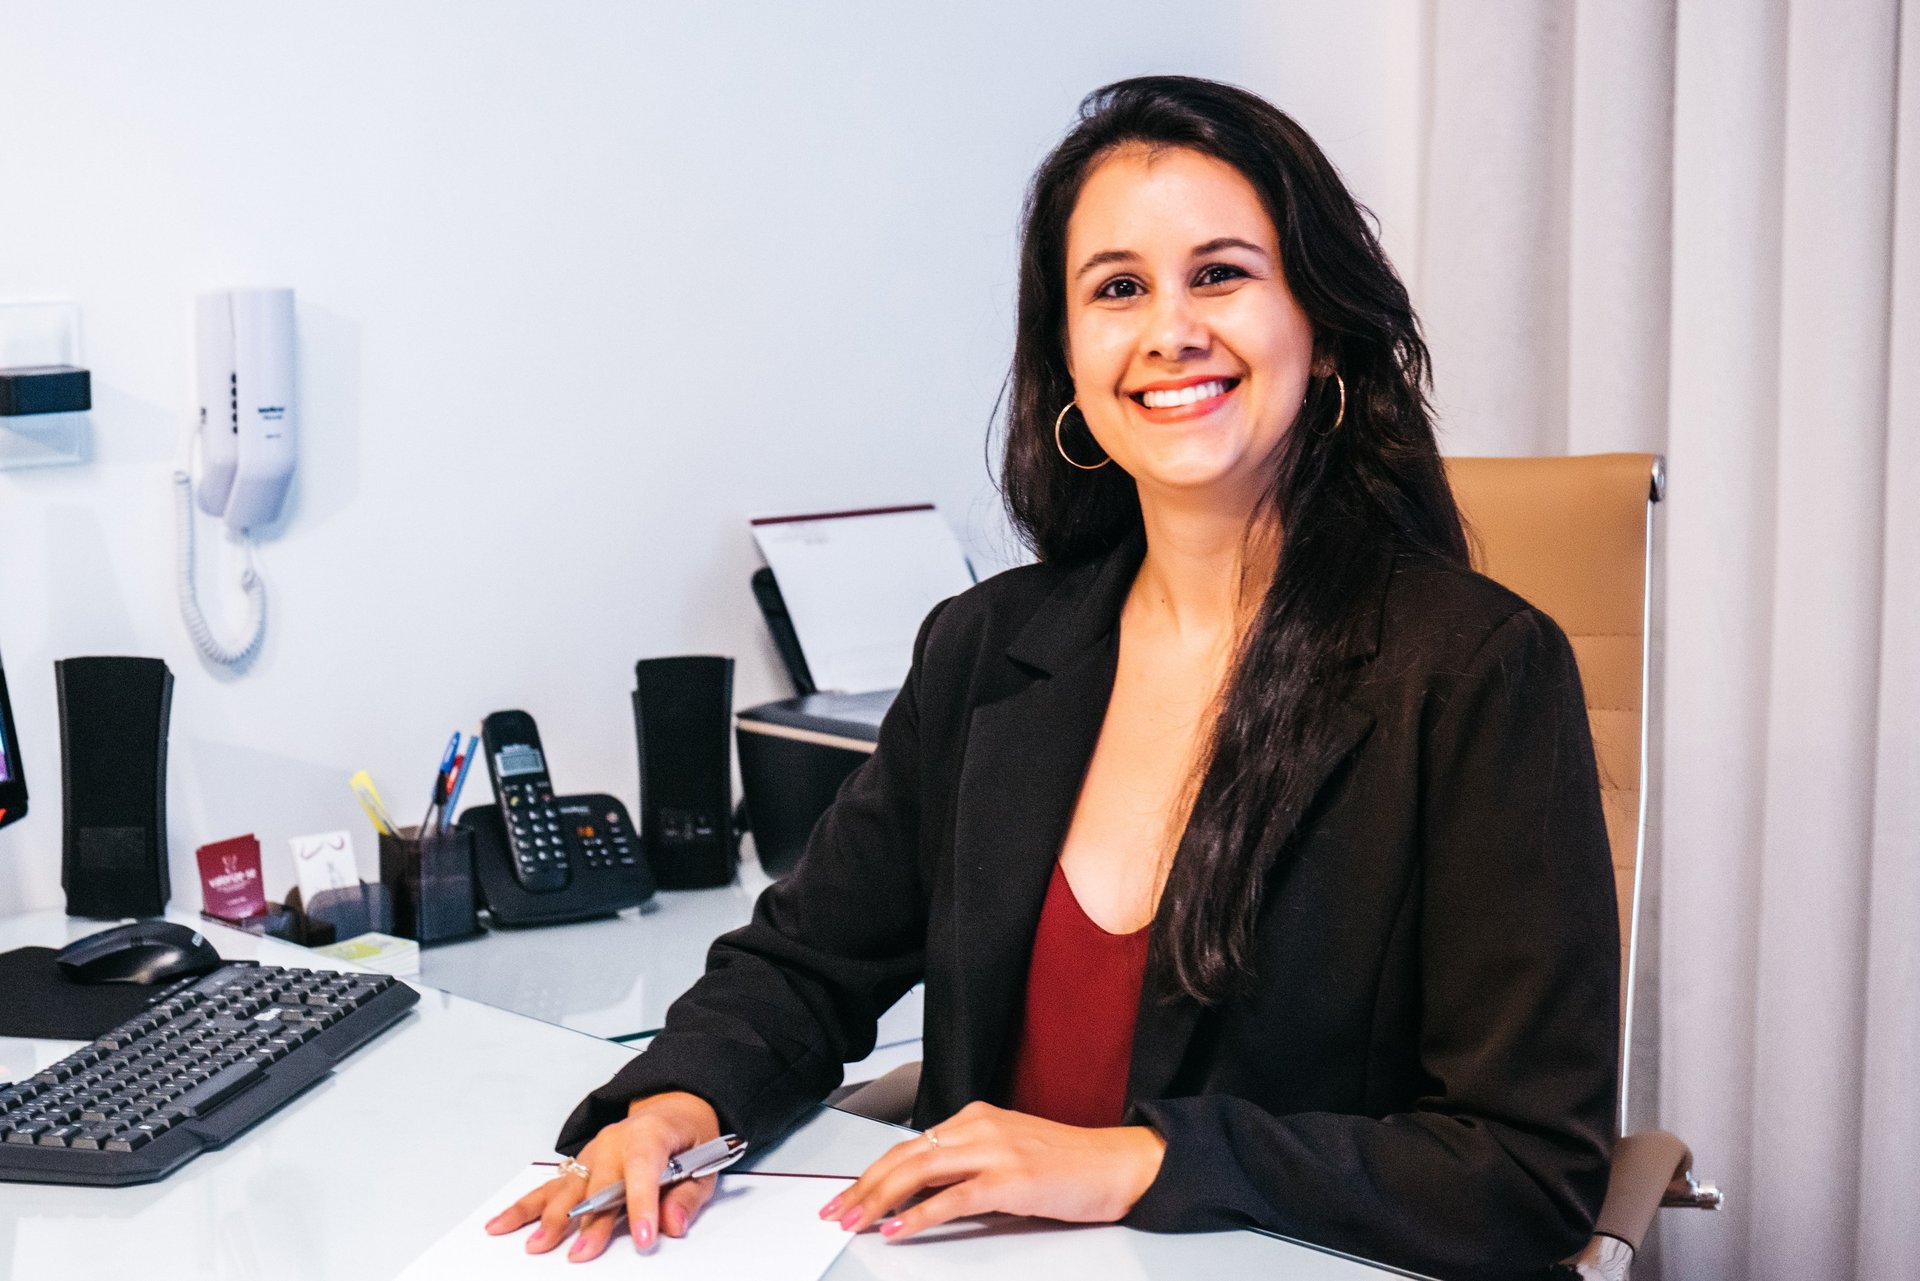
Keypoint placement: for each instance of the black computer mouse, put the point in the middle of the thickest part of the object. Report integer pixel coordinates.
(144, 952)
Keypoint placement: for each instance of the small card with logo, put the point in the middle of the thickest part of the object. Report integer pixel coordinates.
(230, 884)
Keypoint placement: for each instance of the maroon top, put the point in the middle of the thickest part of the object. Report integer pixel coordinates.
(1076, 1037)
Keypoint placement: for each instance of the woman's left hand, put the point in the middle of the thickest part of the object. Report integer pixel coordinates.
(987, 1158)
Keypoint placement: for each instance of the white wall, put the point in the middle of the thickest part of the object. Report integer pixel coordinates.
(580, 286)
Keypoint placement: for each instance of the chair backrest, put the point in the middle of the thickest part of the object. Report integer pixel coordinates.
(1574, 536)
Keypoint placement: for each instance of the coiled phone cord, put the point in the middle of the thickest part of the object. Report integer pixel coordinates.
(197, 625)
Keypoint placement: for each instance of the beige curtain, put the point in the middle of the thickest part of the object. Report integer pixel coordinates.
(1694, 227)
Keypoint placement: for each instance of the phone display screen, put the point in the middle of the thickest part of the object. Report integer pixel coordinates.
(519, 758)
(6, 757)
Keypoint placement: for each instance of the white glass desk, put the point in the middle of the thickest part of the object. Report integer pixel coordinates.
(615, 977)
(356, 1178)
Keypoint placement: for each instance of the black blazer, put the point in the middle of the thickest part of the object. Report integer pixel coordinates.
(1424, 1072)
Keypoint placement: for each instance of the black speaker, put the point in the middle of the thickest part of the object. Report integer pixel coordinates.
(682, 714)
(113, 774)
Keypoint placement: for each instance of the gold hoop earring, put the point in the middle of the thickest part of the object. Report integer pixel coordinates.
(1060, 419)
(1340, 415)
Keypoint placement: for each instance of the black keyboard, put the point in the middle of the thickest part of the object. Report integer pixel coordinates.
(189, 1073)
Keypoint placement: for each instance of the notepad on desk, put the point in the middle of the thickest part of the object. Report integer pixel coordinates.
(765, 1226)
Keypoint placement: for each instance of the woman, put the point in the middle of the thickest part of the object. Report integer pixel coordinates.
(1249, 845)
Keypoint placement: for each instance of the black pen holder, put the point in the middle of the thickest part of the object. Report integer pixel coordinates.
(431, 879)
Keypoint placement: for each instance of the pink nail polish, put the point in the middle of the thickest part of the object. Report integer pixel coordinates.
(831, 1208)
(890, 1227)
(579, 1250)
(538, 1239)
(642, 1234)
(850, 1218)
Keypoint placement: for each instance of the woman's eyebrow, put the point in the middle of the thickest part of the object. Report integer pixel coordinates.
(1226, 242)
(1104, 257)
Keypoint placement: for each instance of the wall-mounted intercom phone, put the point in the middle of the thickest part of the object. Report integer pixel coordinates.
(541, 857)
(244, 439)
(246, 403)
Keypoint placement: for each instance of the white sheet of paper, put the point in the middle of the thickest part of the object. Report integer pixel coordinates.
(759, 1226)
(324, 862)
(857, 586)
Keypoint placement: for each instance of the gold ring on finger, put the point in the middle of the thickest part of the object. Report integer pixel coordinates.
(932, 1138)
(569, 1166)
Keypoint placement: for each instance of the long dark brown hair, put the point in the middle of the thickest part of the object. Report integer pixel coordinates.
(1349, 499)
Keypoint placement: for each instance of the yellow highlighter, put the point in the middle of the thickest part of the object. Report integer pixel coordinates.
(369, 797)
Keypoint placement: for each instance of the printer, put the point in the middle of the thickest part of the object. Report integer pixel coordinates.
(873, 573)
(794, 754)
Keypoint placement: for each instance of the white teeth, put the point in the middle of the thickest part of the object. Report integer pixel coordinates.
(1185, 395)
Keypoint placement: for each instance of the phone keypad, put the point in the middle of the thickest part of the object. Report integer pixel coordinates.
(549, 836)
(603, 839)
(534, 821)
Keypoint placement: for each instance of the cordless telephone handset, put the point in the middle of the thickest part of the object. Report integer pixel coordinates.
(518, 769)
(540, 858)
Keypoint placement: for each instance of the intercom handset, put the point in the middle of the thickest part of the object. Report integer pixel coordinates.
(244, 439)
(517, 767)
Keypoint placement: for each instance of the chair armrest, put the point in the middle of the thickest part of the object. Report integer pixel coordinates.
(1685, 1193)
(1650, 1169)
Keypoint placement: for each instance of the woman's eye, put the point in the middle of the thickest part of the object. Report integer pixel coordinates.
(1219, 273)
(1121, 287)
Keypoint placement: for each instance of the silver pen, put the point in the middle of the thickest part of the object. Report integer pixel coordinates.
(695, 1163)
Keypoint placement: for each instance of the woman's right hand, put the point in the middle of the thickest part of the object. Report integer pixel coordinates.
(636, 1150)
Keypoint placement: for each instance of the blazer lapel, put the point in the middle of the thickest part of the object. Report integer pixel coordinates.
(1025, 758)
(1165, 1023)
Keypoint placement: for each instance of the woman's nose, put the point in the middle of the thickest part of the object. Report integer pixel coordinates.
(1175, 330)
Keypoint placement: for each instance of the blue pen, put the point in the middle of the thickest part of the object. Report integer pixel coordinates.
(453, 750)
(440, 781)
(459, 781)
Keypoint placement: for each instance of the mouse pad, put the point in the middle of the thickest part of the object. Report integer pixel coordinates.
(38, 1000)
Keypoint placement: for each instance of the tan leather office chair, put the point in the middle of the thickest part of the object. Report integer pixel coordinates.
(1573, 536)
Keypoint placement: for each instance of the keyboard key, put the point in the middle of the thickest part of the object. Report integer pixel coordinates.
(221, 1088)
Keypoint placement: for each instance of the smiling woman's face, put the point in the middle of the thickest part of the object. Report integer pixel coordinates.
(1189, 355)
